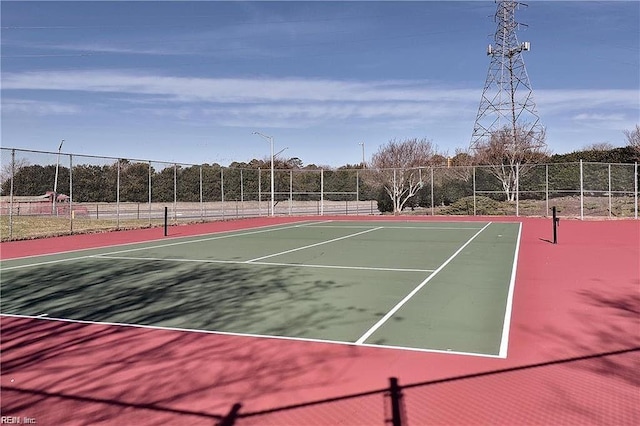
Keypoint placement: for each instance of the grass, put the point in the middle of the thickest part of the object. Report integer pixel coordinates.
(29, 227)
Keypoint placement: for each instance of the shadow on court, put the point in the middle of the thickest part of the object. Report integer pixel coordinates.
(70, 373)
(147, 377)
(250, 299)
(84, 368)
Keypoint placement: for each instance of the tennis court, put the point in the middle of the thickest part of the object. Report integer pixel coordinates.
(427, 286)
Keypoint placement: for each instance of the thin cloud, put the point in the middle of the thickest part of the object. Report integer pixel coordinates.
(299, 102)
(600, 117)
(572, 100)
(40, 108)
(233, 90)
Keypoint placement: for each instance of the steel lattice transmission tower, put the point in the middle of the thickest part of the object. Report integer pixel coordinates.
(507, 98)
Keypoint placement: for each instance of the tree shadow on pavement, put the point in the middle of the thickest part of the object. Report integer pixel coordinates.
(105, 373)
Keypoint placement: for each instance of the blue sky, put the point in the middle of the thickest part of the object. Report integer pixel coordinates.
(190, 81)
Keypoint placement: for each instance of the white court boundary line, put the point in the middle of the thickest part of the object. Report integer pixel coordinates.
(244, 262)
(399, 305)
(258, 336)
(506, 324)
(299, 223)
(360, 342)
(214, 237)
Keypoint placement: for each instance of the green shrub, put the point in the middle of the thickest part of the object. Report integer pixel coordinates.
(484, 206)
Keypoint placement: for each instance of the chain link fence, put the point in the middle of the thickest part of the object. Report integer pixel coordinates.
(48, 193)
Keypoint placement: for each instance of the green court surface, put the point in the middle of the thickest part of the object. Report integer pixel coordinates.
(432, 286)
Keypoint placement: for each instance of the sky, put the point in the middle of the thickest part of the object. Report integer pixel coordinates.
(329, 81)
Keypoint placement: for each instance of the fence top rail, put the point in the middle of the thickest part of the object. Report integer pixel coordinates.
(319, 169)
(104, 157)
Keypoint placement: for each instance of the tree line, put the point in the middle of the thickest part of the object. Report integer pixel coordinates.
(397, 176)
(504, 166)
(128, 181)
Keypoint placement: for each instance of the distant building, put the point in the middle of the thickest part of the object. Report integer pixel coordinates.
(39, 205)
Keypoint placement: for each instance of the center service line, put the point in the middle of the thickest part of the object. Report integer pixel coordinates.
(313, 245)
(395, 309)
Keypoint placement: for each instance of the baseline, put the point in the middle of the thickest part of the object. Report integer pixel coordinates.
(43, 317)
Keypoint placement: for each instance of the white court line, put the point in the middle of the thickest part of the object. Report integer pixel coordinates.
(357, 268)
(243, 262)
(313, 245)
(301, 224)
(258, 336)
(216, 237)
(504, 341)
(424, 228)
(389, 314)
(168, 259)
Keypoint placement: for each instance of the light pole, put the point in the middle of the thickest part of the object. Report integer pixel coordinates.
(270, 139)
(55, 182)
(362, 145)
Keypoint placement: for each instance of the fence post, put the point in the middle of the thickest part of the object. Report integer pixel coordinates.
(13, 172)
(395, 194)
(259, 192)
(149, 193)
(474, 190)
(635, 188)
(517, 189)
(290, 192)
(118, 197)
(222, 189)
(395, 393)
(357, 192)
(321, 192)
(232, 416)
(581, 193)
(610, 191)
(175, 193)
(546, 190)
(242, 192)
(433, 212)
(201, 197)
(71, 213)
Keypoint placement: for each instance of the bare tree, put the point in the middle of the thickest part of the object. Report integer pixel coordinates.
(461, 165)
(633, 138)
(8, 168)
(510, 153)
(399, 166)
(599, 146)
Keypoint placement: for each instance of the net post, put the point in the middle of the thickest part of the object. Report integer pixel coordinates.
(556, 223)
(166, 218)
